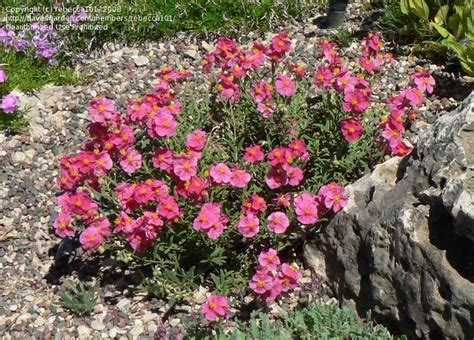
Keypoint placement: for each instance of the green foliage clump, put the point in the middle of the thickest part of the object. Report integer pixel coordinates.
(80, 300)
(316, 321)
(442, 26)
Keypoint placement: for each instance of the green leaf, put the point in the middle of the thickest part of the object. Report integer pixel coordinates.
(404, 7)
(420, 9)
(442, 15)
(441, 30)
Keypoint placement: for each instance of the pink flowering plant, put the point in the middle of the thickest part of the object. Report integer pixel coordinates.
(219, 188)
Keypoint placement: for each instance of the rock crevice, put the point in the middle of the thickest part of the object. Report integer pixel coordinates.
(404, 245)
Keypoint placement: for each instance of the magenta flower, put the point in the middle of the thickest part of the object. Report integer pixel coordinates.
(254, 154)
(289, 276)
(216, 306)
(3, 76)
(351, 129)
(306, 208)
(281, 43)
(102, 225)
(294, 175)
(261, 283)
(278, 222)
(269, 259)
(163, 159)
(249, 225)
(355, 102)
(131, 161)
(424, 81)
(62, 225)
(10, 103)
(196, 140)
(91, 238)
(414, 96)
(285, 86)
(333, 196)
(400, 148)
(220, 173)
(239, 178)
(162, 125)
(102, 109)
(185, 167)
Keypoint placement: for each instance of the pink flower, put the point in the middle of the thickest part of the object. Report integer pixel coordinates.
(3, 76)
(163, 159)
(278, 222)
(258, 203)
(220, 173)
(239, 178)
(414, 96)
(424, 81)
(266, 108)
(10, 102)
(351, 129)
(400, 148)
(294, 174)
(262, 92)
(333, 195)
(276, 178)
(269, 259)
(289, 276)
(208, 216)
(169, 208)
(103, 226)
(91, 238)
(102, 109)
(306, 208)
(261, 282)
(249, 225)
(254, 154)
(103, 164)
(277, 156)
(143, 193)
(281, 43)
(162, 125)
(285, 85)
(131, 161)
(299, 70)
(392, 133)
(62, 225)
(185, 167)
(323, 77)
(355, 102)
(282, 200)
(215, 306)
(196, 140)
(297, 148)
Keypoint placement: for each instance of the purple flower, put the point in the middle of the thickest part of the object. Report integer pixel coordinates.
(10, 102)
(3, 76)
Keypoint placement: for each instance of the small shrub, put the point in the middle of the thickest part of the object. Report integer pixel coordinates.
(216, 186)
(80, 300)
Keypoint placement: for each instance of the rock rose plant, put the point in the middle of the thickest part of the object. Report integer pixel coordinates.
(220, 187)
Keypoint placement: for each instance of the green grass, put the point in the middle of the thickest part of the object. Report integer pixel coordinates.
(201, 17)
(26, 74)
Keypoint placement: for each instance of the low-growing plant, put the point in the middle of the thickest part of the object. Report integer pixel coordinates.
(80, 300)
(442, 26)
(214, 180)
(316, 321)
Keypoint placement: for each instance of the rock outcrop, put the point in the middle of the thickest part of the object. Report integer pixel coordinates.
(403, 247)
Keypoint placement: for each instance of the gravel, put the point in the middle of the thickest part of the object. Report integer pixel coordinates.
(57, 125)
